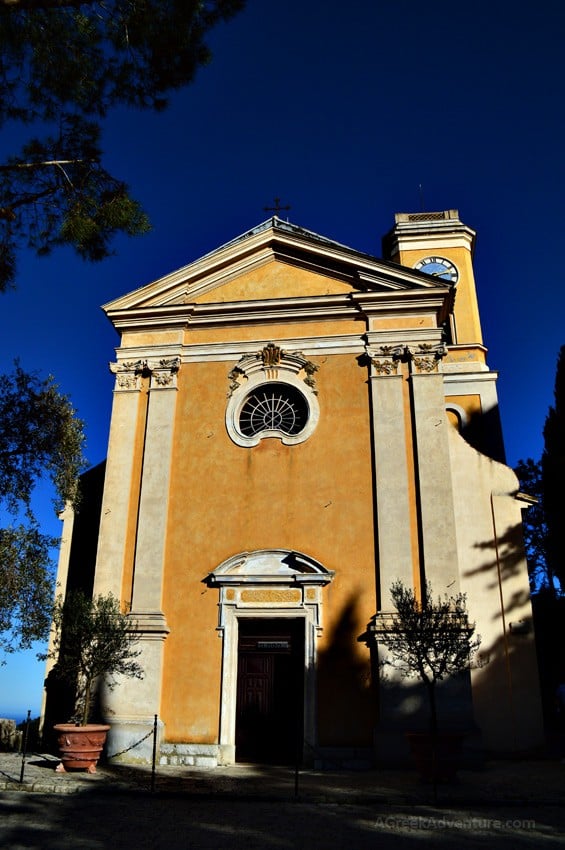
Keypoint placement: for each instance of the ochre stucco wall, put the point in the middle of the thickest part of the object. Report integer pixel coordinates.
(315, 497)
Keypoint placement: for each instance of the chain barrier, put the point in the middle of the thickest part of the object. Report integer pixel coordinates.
(127, 749)
(152, 732)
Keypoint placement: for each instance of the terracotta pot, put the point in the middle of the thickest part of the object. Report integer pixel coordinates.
(80, 746)
(437, 758)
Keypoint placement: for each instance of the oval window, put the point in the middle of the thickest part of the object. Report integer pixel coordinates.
(273, 407)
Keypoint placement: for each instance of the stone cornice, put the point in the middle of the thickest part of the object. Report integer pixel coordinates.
(233, 350)
(351, 344)
(389, 303)
(428, 232)
(411, 338)
(470, 377)
(150, 623)
(397, 303)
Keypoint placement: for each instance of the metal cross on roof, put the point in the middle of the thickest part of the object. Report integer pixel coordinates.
(277, 208)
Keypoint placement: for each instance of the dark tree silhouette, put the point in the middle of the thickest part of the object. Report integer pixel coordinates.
(63, 65)
(534, 526)
(553, 475)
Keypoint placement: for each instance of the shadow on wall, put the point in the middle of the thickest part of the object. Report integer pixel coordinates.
(504, 560)
(346, 692)
(82, 561)
(483, 431)
(545, 626)
(504, 706)
(405, 707)
(507, 681)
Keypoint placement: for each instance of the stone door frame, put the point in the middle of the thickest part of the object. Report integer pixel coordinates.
(267, 584)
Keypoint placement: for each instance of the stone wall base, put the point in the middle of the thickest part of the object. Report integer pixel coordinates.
(196, 755)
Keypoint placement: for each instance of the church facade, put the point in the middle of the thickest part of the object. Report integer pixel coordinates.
(295, 426)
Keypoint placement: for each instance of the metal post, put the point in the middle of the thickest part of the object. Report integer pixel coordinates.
(154, 753)
(24, 745)
(298, 752)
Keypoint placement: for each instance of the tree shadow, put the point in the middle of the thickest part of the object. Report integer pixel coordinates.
(505, 560)
(60, 697)
(347, 701)
(545, 624)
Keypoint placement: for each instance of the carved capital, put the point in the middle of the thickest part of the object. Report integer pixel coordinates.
(426, 358)
(128, 374)
(164, 372)
(384, 359)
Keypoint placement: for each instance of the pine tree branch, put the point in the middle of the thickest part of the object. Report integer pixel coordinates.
(16, 165)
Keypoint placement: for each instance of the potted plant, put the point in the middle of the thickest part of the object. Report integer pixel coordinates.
(92, 639)
(430, 639)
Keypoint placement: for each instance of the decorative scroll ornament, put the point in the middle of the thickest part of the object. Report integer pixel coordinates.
(310, 368)
(271, 356)
(271, 361)
(234, 378)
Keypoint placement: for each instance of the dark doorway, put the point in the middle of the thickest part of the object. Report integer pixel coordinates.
(270, 691)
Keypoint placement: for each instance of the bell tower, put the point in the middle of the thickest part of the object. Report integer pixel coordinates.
(439, 244)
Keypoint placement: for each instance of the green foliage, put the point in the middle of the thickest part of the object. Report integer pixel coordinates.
(39, 433)
(92, 638)
(553, 475)
(40, 437)
(63, 66)
(431, 639)
(26, 586)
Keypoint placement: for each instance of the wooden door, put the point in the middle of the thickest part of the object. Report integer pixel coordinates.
(270, 691)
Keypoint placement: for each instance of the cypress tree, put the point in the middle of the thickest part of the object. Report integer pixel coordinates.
(553, 475)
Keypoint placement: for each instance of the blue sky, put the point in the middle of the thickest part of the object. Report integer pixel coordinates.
(343, 111)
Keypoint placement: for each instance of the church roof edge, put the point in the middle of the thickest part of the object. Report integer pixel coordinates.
(278, 224)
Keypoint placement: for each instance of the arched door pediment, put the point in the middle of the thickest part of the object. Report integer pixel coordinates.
(270, 566)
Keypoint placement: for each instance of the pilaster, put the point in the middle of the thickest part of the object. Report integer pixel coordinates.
(154, 496)
(118, 479)
(433, 469)
(390, 469)
(133, 707)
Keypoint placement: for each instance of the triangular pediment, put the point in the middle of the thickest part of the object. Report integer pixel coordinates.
(275, 260)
